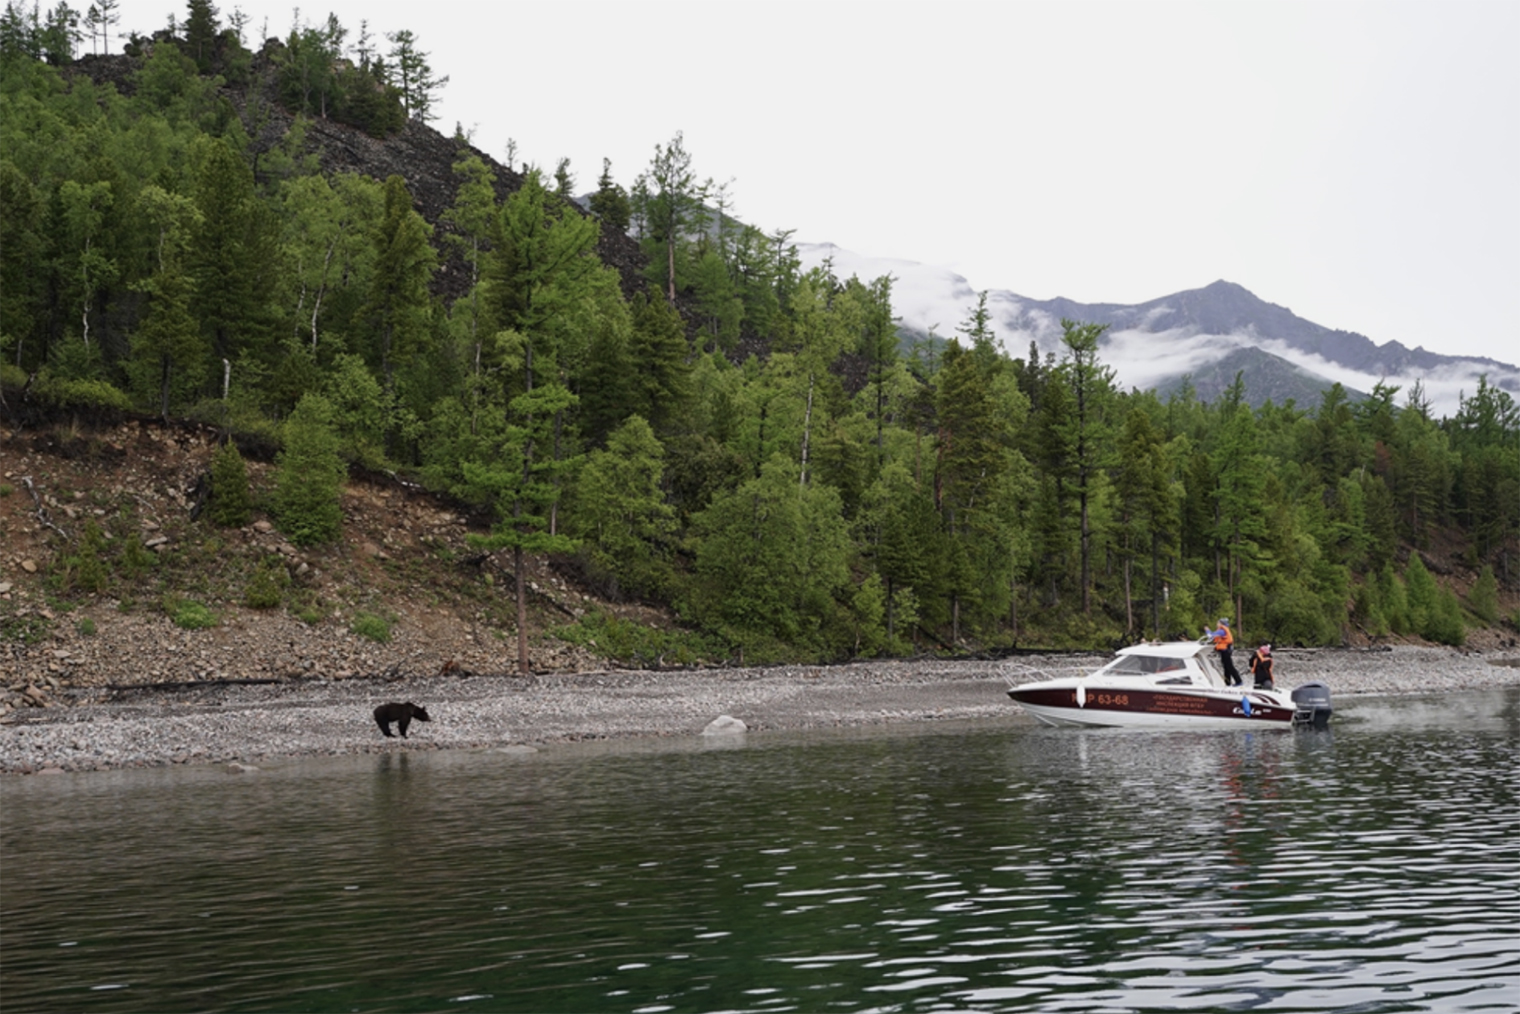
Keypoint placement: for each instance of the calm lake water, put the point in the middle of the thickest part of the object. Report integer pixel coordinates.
(1374, 867)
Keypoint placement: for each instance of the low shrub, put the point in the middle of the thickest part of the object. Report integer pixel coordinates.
(267, 588)
(135, 559)
(83, 394)
(230, 504)
(188, 614)
(376, 628)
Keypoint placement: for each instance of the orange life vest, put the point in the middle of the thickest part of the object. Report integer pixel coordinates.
(1223, 641)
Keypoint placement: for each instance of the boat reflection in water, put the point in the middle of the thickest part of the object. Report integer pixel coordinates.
(1168, 685)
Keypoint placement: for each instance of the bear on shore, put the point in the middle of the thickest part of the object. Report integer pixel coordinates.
(401, 714)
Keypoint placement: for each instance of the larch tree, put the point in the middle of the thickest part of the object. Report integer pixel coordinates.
(538, 273)
(772, 555)
(610, 202)
(232, 254)
(396, 311)
(309, 474)
(669, 202)
(1091, 385)
(1239, 523)
(1145, 502)
(472, 215)
(201, 30)
(419, 87)
(619, 511)
(168, 351)
(974, 456)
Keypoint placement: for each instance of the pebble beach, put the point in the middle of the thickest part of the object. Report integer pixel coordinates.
(241, 726)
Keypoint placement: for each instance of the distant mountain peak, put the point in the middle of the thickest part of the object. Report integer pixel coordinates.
(1195, 333)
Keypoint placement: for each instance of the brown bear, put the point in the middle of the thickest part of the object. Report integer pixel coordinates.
(401, 714)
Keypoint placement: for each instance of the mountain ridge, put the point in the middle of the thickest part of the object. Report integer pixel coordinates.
(1159, 343)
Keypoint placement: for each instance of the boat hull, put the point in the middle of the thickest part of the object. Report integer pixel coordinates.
(1147, 708)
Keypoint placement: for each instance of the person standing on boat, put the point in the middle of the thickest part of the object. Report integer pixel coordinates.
(1261, 667)
(1223, 639)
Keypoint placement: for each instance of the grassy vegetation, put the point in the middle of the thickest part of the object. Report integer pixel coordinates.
(634, 644)
(188, 614)
(371, 626)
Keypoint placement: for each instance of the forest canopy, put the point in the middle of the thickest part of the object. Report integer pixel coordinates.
(751, 444)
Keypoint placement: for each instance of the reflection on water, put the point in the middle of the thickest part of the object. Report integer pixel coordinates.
(1371, 868)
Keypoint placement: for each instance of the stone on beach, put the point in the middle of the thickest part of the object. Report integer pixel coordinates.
(725, 725)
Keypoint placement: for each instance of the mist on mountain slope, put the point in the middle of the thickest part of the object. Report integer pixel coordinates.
(1144, 352)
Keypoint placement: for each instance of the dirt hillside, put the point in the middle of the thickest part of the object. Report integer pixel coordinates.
(402, 567)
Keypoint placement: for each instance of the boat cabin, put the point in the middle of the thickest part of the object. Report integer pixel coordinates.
(1173, 663)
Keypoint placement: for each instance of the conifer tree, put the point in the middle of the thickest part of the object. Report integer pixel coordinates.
(1091, 387)
(541, 254)
(519, 483)
(309, 476)
(22, 296)
(168, 351)
(419, 86)
(974, 458)
(1145, 503)
(472, 215)
(201, 30)
(1393, 599)
(539, 273)
(1484, 596)
(229, 504)
(1238, 499)
(231, 254)
(772, 555)
(1422, 591)
(668, 201)
(903, 535)
(564, 180)
(620, 512)
(718, 305)
(396, 311)
(1421, 469)
(610, 202)
(661, 373)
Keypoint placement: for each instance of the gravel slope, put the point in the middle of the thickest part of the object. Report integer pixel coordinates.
(246, 724)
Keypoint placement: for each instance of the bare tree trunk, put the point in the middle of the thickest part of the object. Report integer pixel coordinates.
(163, 391)
(1155, 590)
(1013, 607)
(1086, 556)
(522, 611)
(807, 423)
(670, 260)
(517, 510)
(1129, 602)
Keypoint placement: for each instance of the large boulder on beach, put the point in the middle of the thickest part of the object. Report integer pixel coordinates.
(725, 725)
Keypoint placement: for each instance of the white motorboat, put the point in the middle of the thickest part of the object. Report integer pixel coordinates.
(1168, 685)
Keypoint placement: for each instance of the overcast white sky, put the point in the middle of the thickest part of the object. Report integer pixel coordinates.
(1356, 162)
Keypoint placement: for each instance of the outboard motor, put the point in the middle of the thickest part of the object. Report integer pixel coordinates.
(1311, 705)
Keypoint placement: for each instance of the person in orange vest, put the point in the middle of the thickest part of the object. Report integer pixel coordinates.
(1261, 667)
(1223, 639)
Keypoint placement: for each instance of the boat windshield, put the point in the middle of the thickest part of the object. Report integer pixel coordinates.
(1144, 665)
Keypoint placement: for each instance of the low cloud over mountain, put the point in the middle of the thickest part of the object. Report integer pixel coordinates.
(1205, 334)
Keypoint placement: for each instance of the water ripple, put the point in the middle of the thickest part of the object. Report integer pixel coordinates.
(1372, 869)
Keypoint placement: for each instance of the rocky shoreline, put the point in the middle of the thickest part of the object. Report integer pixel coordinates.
(243, 725)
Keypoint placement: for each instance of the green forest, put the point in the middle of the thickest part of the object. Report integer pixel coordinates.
(721, 433)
